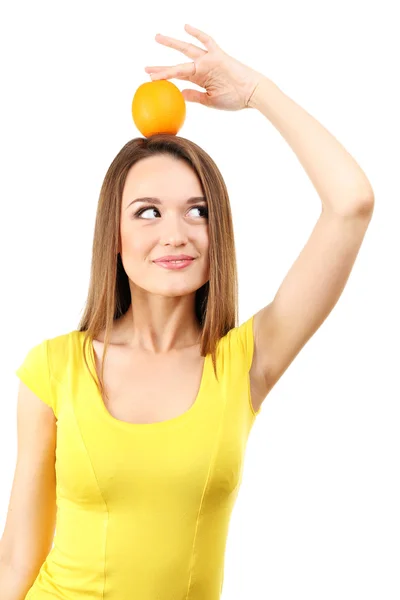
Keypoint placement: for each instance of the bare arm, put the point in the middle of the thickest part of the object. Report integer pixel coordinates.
(30, 523)
(14, 585)
(316, 280)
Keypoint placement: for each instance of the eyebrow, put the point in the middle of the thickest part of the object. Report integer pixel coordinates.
(191, 200)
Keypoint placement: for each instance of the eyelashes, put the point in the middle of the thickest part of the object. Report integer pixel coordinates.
(138, 214)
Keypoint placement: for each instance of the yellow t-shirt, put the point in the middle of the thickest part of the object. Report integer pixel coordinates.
(143, 510)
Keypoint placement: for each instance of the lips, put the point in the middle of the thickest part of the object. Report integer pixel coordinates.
(174, 264)
(174, 258)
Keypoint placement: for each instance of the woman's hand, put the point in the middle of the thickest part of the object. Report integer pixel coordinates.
(229, 84)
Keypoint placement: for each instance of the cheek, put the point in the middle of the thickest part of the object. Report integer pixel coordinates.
(135, 243)
(203, 238)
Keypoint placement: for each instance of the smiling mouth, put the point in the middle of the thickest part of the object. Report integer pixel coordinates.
(173, 258)
(178, 261)
(174, 264)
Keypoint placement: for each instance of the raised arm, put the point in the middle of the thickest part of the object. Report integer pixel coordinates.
(317, 278)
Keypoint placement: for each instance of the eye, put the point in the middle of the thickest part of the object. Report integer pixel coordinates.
(203, 209)
(143, 210)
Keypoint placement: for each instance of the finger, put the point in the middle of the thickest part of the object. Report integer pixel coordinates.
(155, 69)
(182, 71)
(189, 50)
(204, 38)
(195, 96)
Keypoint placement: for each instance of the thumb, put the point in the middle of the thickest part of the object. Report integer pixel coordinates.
(195, 96)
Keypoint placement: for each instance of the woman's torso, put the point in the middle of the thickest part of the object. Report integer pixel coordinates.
(146, 485)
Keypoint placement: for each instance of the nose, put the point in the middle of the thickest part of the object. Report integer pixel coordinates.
(173, 232)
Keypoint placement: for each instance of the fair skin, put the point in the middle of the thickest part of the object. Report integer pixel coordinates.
(161, 318)
(314, 283)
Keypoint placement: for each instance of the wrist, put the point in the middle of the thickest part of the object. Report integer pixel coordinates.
(262, 87)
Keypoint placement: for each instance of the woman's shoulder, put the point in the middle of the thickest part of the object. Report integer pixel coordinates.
(64, 350)
(63, 341)
(237, 345)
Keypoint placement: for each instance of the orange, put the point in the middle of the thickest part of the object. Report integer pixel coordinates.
(158, 107)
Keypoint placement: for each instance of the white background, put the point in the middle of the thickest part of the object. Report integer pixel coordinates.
(318, 512)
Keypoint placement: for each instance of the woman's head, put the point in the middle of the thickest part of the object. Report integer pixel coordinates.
(172, 169)
(164, 213)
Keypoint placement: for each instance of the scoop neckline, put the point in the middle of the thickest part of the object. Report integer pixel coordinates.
(99, 402)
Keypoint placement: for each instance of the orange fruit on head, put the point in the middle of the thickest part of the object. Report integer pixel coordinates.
(158, 107)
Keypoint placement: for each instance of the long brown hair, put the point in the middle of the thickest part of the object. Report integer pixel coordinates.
(109, 294)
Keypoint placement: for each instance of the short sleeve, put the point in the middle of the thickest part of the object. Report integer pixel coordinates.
(34, 372)
(246, 339)
(237, 348)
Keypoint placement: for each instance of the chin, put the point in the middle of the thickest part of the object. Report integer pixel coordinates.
(173, 292)
(181, 286)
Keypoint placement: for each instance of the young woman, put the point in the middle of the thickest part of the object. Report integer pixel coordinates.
(136, 460)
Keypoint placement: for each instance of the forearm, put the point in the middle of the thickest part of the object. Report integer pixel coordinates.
(14, 584)
(339, 181)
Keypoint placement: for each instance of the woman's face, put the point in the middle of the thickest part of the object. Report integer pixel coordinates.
(173, 226)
